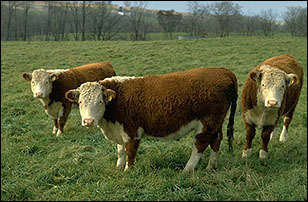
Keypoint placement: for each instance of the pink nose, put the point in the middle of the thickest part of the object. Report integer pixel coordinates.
(88, 122)
(38, 94)
(272, 103)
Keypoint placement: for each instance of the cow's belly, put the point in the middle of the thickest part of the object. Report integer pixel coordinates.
(261, 116)
(184, 130)
(115, 131)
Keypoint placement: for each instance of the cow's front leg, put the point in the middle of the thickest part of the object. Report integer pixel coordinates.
(131, 148)
(265, 135)
(250, 134)
(62, 120)
(55, 126)
(121, 156)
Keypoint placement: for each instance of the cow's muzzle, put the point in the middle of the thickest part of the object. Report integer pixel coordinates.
(272, 103)
(88, 122)
(38, 95)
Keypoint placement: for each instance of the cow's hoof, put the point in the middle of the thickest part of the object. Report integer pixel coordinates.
(283, 135)
(59, 133)
(263, 154)
(247, 153)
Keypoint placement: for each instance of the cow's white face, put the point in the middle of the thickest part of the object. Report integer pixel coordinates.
(92, 99)
(41, 82)
(272, 84)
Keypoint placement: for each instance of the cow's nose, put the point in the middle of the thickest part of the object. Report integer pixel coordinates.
(88, 122)
(272, 103)
(38, 94)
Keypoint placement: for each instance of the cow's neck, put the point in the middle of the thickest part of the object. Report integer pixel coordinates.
(46, 101)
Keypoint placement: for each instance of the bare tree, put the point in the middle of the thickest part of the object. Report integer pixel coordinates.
(74, 20)
(267, 20)
(85, 7)
(136, 21)
(195, 23)
(103, 21)
(168, 21)
(26, 6)
(226, 13)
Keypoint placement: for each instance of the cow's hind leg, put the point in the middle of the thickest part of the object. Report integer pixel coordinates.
(202, 140)
(215, 144)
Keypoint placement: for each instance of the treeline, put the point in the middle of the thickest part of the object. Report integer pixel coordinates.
(100, 20)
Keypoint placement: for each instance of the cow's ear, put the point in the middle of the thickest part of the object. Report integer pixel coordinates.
(291, 79)
(72, 95)
(109, 95)
(27, 76)
(53, 77)
(256, 76)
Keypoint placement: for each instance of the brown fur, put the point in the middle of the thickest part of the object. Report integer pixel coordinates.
(161, 104)
(288, 64)
(73, 78)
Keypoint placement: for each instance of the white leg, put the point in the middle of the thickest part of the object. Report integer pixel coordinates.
(212, 161)
(54, 130)
(121, 156)
(263, 154)
(247, 153)
(283, 135)
(274, 133)
(194, 159)
(59, 133)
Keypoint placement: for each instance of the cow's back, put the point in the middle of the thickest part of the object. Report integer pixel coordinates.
(74, 77)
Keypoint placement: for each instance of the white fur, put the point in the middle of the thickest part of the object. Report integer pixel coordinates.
(213, 160)
(247, 153)
(274, 133)
(121, 156)
(283, 135)
(55, 110)
(184, 130)
(261, 116)
(113, 131)
(263, 154)
(193, 160)
(120, 78)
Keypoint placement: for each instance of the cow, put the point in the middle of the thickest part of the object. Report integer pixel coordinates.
(50, 87)
(165, 106)
(271, 90)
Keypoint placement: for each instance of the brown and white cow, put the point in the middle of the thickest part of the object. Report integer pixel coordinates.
(50, 87)
(166, 106)
(271, 90)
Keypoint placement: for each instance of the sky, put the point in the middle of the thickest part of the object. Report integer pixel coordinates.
(248, 7)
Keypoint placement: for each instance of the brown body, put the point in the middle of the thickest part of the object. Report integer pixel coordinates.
(161, 105)
(70, 79)
(249, 98)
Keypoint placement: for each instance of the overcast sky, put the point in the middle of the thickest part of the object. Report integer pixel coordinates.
(248, 7)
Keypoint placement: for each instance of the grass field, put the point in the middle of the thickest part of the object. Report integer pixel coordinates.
(80, 165)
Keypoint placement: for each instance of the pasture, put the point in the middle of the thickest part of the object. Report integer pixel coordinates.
(80, 165)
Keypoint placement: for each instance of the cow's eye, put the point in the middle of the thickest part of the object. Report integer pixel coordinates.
(101, 102)
(282, 86)
(80, 102)
(46, 82)
(263, 85)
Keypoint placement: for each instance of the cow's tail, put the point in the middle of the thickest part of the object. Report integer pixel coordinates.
(230, 130)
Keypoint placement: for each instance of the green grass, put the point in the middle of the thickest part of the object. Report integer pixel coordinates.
(80, 165)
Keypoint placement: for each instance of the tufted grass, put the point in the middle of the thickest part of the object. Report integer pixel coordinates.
(80, 165)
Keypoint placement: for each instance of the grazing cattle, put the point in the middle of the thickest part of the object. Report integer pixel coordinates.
(50, 87)
(270, 91)
(165, 106)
